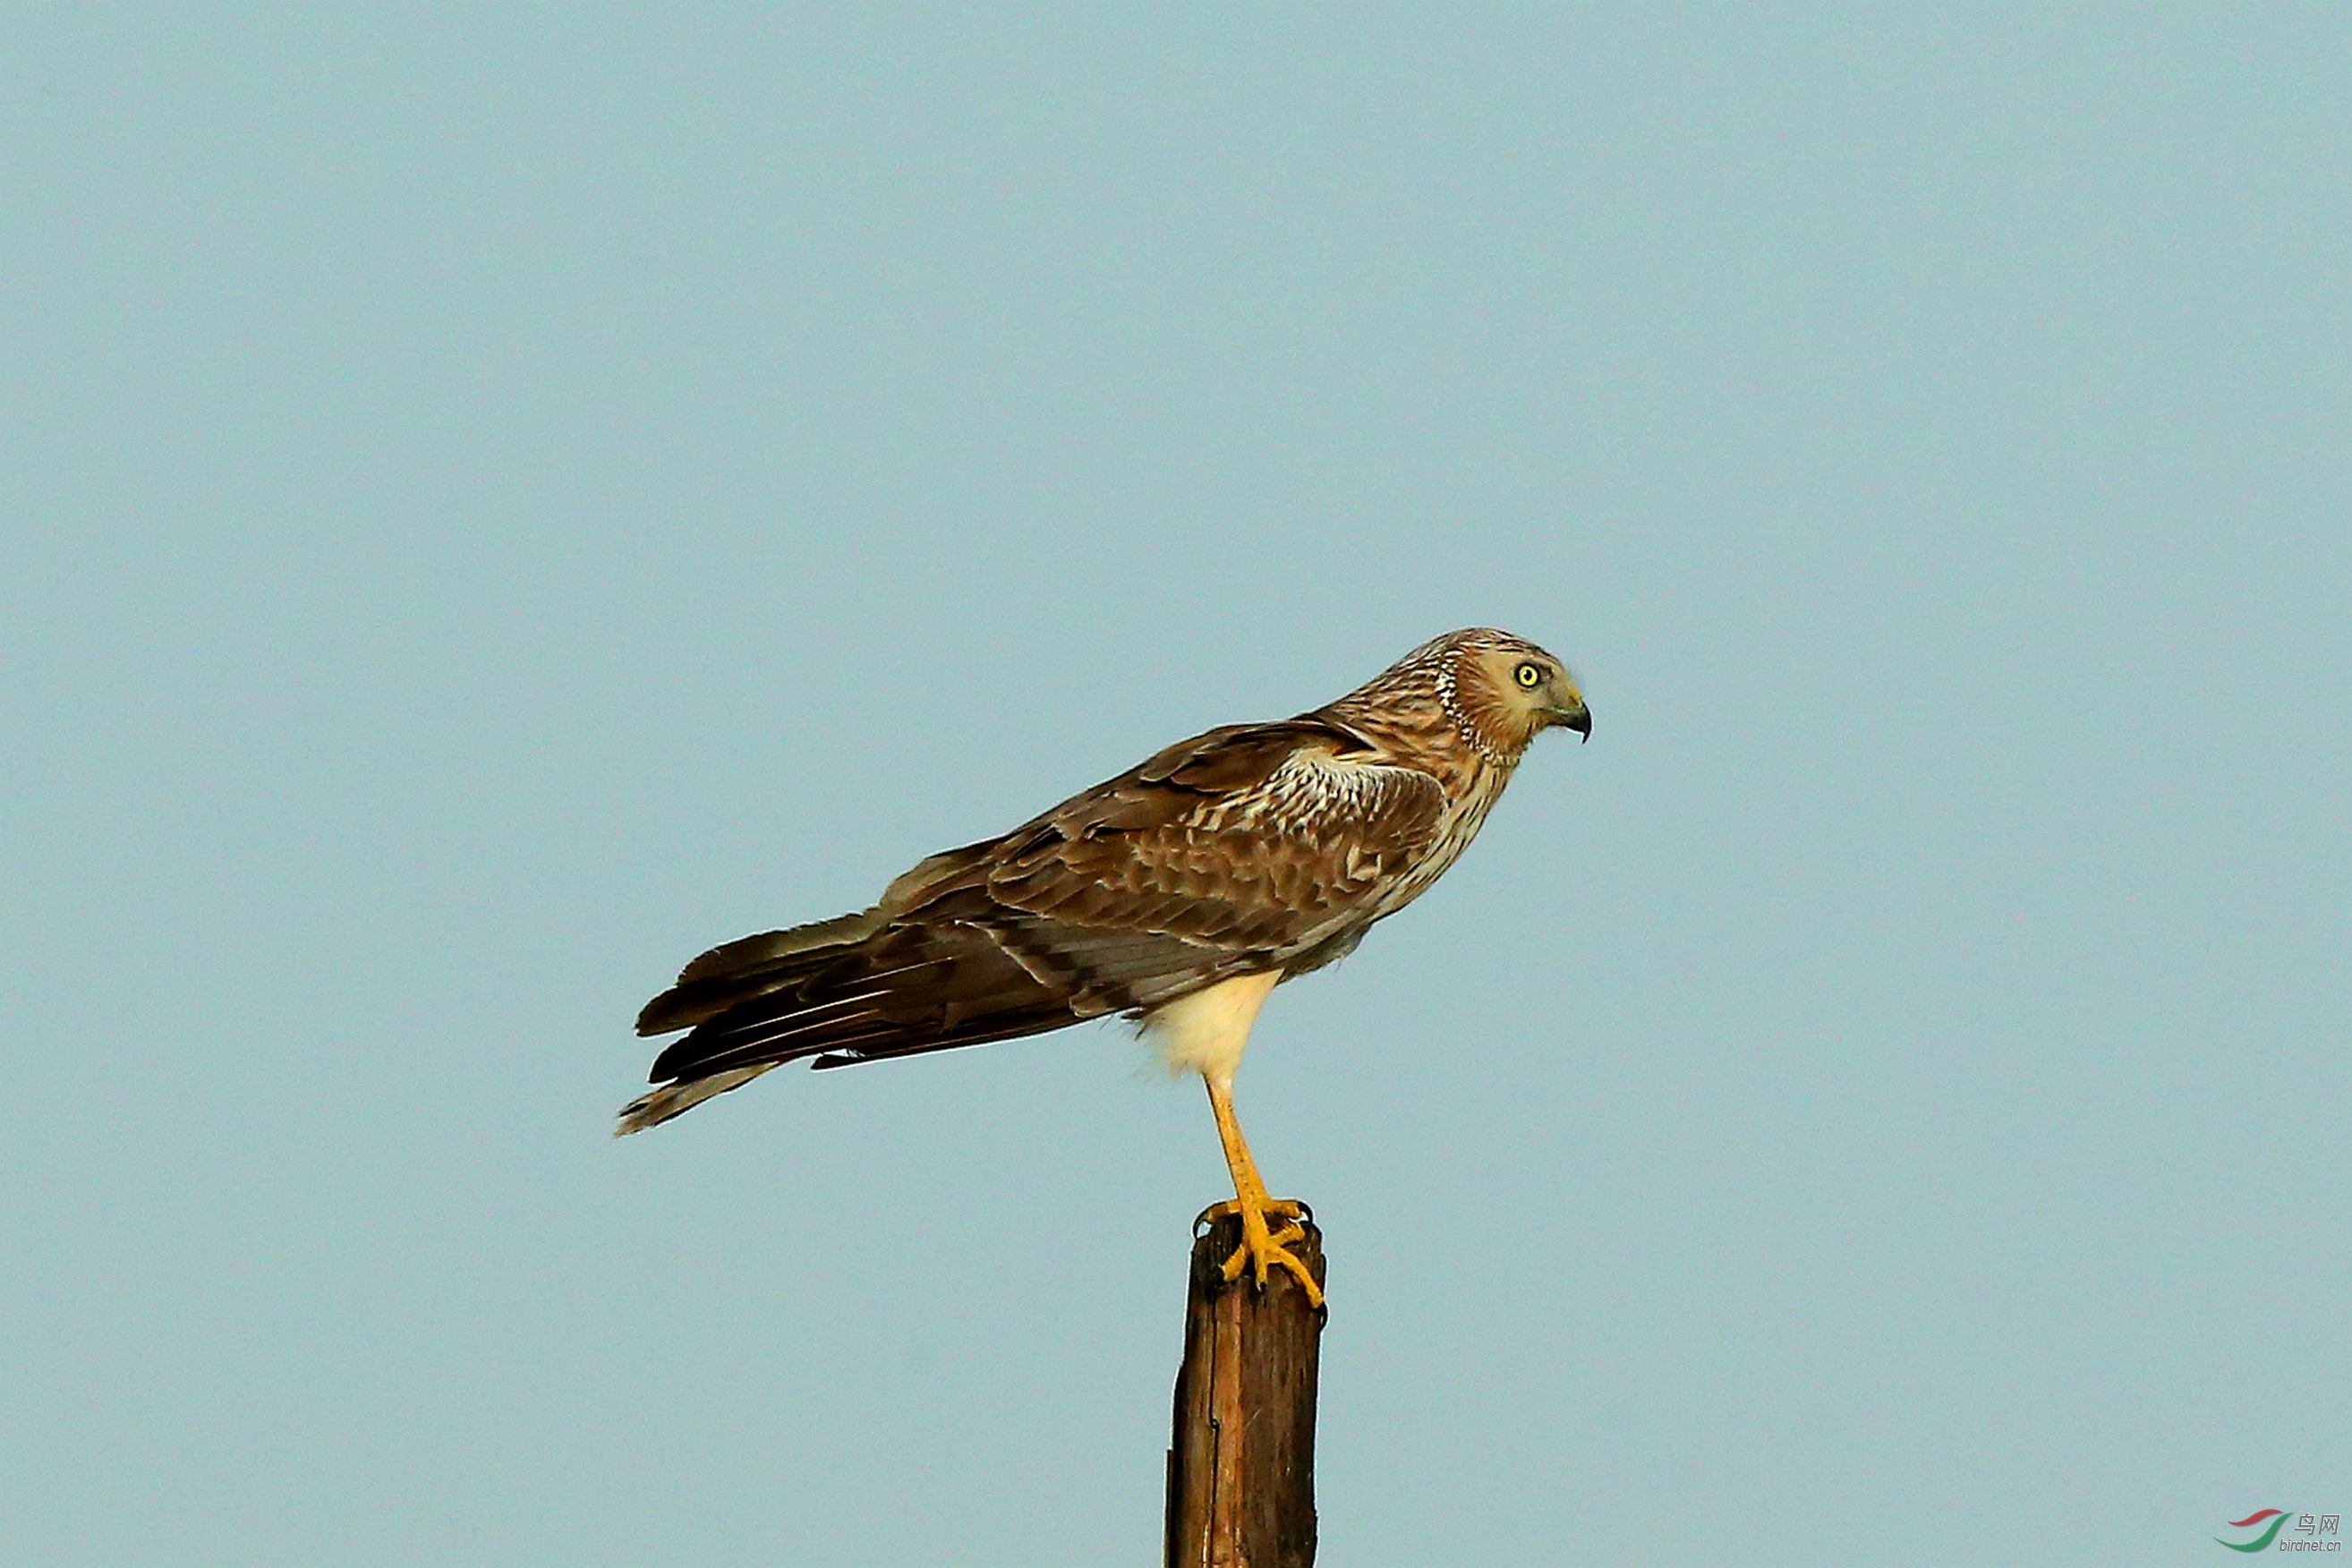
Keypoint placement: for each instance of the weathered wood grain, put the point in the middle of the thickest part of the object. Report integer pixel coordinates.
(1241, 1472)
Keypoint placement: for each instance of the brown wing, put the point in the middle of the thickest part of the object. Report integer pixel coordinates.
(1246, 849)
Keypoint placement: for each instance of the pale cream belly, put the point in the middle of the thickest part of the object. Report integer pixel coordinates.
(1206, 1032)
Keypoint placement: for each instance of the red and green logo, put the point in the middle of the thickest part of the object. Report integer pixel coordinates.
(2277, 1516)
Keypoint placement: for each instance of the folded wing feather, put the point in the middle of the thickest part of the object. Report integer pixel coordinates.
(1246, 849)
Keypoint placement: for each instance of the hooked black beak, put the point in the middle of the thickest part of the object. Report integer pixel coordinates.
(1578, 719)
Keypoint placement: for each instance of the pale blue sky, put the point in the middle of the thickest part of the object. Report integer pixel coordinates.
(496, 502)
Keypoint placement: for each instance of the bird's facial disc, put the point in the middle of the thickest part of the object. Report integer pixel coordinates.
(1534, 692)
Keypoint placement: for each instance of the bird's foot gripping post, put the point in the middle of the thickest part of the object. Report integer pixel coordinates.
(1263, 1246)
(1241, 1469)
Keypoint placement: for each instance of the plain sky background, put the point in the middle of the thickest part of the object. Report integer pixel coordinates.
(496, 502)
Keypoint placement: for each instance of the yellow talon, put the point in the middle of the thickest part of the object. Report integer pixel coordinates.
(1263, 1248)
(1261, 1244)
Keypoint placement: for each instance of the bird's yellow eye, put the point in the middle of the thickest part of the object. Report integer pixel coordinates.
(1529, 675)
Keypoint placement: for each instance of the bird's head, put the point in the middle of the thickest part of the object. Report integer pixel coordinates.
(1508, 690)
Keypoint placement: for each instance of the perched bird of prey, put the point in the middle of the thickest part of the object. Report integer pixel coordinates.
(1179, 893)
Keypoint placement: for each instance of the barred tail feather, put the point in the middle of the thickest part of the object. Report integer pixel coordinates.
(738, 972)
(866, 988)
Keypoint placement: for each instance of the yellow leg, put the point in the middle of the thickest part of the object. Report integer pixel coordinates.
(1261, 1245)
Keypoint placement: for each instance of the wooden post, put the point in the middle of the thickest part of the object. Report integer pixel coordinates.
(1241, 1472)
